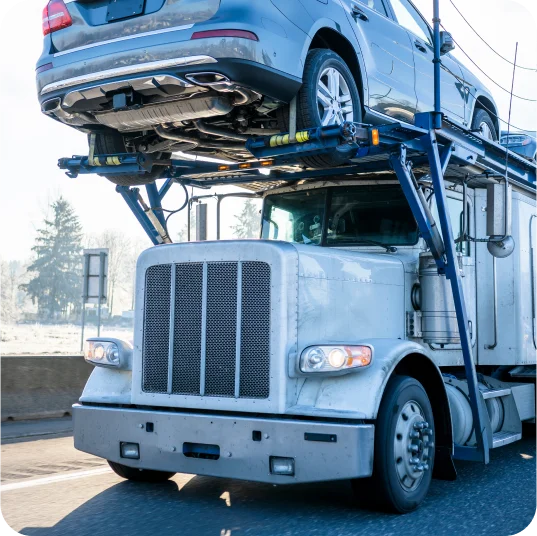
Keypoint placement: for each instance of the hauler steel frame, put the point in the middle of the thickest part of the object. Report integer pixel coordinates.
(413, 152)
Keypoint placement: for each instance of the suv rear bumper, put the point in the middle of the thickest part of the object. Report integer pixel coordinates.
(333, 451)
(244, 61)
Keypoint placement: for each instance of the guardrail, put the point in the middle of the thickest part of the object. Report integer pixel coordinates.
(36, 387)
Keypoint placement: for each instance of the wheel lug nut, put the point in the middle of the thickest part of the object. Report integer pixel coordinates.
(414, 461)
(414, 435)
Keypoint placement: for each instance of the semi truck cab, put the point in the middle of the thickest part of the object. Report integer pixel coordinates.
(328, 349)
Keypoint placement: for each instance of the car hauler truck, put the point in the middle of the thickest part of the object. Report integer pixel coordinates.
(382, 326)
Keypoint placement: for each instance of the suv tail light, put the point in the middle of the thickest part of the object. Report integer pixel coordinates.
(55, 17)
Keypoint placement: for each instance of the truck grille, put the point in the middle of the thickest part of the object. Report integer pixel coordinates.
(207, 329)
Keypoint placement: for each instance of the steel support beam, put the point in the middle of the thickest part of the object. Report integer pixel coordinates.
(130, 195)
(481, 452)
(420, 209)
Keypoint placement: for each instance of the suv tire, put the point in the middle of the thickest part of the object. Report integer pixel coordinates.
(112, 143)
(309, 108)
(483, 120)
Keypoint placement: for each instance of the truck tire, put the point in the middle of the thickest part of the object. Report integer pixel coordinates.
(111, 143)
(483, 121)
(139, 475)
(403, 464)
(320, 65)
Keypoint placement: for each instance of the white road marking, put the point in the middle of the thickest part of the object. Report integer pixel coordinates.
(55, 478)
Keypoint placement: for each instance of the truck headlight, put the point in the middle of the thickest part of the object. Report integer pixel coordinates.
(108, 353)
(335, 358)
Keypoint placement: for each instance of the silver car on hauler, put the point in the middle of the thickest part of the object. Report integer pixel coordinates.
(201, 76)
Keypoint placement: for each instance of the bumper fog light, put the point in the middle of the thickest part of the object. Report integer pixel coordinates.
(282, 466)
(130, 450)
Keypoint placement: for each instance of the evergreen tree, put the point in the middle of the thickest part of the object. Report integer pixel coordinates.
(56, 272)
(247, 221)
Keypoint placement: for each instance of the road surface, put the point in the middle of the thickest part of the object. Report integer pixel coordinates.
(49, 488)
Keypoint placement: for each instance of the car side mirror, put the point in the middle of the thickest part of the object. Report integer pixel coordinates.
(447, 44)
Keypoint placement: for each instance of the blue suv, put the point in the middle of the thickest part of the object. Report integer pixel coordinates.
(202, 76)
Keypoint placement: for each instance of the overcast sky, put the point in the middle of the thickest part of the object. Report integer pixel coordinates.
(31, 143)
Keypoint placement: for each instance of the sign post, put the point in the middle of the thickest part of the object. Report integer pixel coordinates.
(95, 284)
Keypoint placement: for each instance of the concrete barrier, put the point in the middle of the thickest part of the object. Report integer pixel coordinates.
(35, 387)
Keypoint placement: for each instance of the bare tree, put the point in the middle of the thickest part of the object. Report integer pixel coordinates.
(8, 309)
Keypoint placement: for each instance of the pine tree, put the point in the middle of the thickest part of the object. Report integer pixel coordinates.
(56, 272)
(247, 221)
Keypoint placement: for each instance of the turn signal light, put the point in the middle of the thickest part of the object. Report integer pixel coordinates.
(375, 138)
(56, 17)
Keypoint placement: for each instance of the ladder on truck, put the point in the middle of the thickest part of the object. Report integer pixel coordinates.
(410, 152)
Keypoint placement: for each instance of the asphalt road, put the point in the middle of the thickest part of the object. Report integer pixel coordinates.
(49, 488)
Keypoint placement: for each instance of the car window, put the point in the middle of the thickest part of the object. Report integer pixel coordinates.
(455, 208)
(409, 18)
(377, 5)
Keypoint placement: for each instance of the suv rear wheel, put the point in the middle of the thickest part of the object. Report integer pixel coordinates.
(483, 122)
(328, 96)
(112, 143)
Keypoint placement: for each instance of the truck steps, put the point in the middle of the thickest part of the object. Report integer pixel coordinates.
(495, 393)
(499, 439)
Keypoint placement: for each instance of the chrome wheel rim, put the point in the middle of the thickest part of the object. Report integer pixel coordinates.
(486, 131)
(413, 443)
(334, 98)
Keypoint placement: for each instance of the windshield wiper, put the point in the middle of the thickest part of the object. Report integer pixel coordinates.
(388, 248)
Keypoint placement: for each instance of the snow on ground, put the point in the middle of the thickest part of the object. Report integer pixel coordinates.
(31, 339)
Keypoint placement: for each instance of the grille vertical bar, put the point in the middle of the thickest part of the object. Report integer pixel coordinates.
(172, 324)
(156, 329)
(187, 329)
(221, 329)
(238, 334)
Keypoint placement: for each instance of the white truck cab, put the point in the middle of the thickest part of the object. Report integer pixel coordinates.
(326, 350)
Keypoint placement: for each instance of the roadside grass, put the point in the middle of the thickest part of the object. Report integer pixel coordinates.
(51, 339)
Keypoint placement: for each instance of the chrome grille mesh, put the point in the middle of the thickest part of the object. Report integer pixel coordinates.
(221, 329)
(255, 331)
(220, 338)
(156, 329)
(187, 328)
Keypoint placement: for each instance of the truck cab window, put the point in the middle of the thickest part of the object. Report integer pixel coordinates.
(295, 217)
(357, 216)
(455, 208)
(361, 215)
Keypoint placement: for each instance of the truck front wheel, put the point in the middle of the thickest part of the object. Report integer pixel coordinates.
(140, 475)
(404, 448)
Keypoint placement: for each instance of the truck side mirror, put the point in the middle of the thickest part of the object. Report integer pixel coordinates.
(447, 44)
(501, 244)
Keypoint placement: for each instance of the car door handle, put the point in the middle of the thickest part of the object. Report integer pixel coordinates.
(419, 46)
(357, 13)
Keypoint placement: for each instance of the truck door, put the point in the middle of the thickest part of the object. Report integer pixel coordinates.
(466, 252)
(388, 59)
(533, 250)
(452, 86)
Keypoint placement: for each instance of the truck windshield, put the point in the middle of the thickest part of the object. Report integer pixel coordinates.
(352, 215)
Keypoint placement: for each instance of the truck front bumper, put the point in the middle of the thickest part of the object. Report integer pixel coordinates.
(179, 442)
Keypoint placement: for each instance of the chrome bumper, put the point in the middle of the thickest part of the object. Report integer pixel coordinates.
(322, 451)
